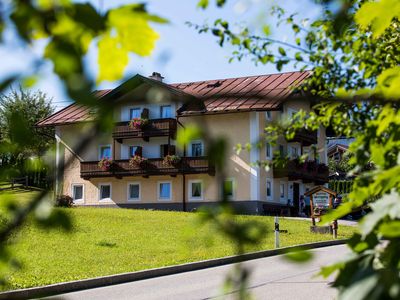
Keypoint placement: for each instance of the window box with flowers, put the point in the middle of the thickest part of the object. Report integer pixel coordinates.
(105, 164)
(138, 161)
(138, 123)
(171, 160)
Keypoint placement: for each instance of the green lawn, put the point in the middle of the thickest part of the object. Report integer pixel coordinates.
(111, 241)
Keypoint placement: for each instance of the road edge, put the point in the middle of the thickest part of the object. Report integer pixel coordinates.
(72, 286)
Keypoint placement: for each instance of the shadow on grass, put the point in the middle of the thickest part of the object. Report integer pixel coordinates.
(106, 244)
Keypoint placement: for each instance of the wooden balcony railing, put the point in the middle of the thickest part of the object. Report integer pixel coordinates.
(153, 166)
(306, 137)
(155, 127)
(309, 171)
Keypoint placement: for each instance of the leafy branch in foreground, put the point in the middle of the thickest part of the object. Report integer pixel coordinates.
(353, 54)
(67, 29)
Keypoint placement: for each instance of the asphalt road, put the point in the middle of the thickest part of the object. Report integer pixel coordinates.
(271, 278)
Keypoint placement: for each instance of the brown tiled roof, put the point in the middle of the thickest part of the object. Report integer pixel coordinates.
(264, 92)
(72, 113)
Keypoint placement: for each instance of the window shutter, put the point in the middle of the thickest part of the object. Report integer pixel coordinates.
(145, 113)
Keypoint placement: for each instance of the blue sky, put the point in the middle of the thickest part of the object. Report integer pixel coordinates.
(181, 54)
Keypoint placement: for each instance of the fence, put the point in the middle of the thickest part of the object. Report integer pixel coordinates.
(22, 182)
(36, 180)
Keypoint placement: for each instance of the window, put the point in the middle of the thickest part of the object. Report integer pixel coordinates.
(268, 115)
(282, 190)
(165, 111)
(134, 150)
(133, 191)
(269, 190)
(105, 192)
(195, 190)
(164, 190)
(197, 149)
(295, 152)
(77, 192)
(229, 187)
(281, 150)
(105, 151)
(268, 150)
(135, 112)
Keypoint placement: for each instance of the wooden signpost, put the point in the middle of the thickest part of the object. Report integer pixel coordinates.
(321, 199)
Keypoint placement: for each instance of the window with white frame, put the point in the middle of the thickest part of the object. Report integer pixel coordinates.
(269, 189)
(135, 112)
(133, 191)
(282, 190)
(165, 111)
(268, 115)
(197, 148)
(195, 190)
(229, 188)
(77, 192)
(164, 190)
(104, 151)
(268, 150)
(105, 191)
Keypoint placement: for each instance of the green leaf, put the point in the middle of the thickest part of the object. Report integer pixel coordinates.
(390, 229)
(188, 134)
(298, 56)
(299, 256)
(282, 51)
(378, 15)
(203, 4)
(131, 32)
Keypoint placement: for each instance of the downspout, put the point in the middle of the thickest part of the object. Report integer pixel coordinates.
(184, 208)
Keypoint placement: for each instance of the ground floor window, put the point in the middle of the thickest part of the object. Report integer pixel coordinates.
(104, 191)
(282, 190)
(229, 188)
(195, 190)
(269, 190)
(77, 192)
(133, 191)
(164, 190)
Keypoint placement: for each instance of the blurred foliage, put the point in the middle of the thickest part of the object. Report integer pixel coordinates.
(21, 142)
(67, 30)
(355, 82)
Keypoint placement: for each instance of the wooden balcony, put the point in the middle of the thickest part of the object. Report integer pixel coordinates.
(155, 127)
(153, 166)
(309, 171)
(305, 137)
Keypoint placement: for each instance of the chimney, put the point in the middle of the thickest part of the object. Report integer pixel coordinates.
(156, 76)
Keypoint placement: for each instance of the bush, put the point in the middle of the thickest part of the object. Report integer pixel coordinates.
(64, 201)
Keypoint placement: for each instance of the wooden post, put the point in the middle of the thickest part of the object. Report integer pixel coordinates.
(277, 232)
(312, 210)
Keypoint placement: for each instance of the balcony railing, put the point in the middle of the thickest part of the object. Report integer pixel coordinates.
(153, 166)
(155, 127)
(306, 137)
(308, 171)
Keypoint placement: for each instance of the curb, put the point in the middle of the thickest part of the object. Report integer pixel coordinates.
(72, 286)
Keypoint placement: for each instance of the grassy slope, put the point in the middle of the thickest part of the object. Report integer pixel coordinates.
(110, 241)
